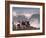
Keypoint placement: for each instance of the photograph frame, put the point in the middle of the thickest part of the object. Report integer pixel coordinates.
(7, 18)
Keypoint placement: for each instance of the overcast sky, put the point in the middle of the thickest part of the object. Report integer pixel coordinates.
(21, 10)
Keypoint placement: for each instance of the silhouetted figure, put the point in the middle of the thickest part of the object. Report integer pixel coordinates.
(27, 24)
(23, 23)
(18, 26)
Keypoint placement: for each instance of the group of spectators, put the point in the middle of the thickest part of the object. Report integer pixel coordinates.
(22, 26)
